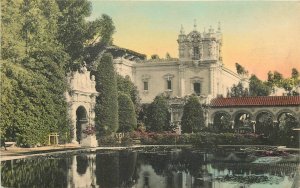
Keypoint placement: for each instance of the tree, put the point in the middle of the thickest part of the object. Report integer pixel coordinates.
(37, 79)
(127, 116)
(126, 86)
(240, 69)
(157, 115)
(193, 116)
(106, 108)
(155, 57)
(275, 79)
(12, 44)
(101, 31)
(168, 56)
(295, 73)
(72, 31)
(75, 32)
(258, 88)
(239, 91)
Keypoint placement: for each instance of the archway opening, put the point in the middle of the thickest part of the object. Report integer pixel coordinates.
(81, 120)
(286, 122)
(221, 122)
(242, 122)
(264, 123)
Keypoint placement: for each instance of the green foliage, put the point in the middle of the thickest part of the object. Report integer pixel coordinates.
(238, 91)
(212, 140)
(275, 79)
(75, 32)
(126, 86)
(127, 116)
(72, 31)
(240, 69)
(106, 108)
(168, 56)
(258, 88)
(36, 83)
(193, 117)
(101, 31)
(12, 44)
(264, 124)
(295, 73)
(157, 115)
(222, 122)
(29, 113)
(155, 56)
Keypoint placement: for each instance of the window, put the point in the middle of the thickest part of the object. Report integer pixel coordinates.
(196, 53)
(197, 88)
(145, 86)
(169, 84)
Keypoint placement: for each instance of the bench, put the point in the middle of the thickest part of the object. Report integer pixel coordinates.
(10, 144)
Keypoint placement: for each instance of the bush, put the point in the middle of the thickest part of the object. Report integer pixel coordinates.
(127, 116)
(193, 117)
(211, 140)
(157, 115)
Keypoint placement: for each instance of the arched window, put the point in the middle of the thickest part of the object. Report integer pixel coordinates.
(196, 53)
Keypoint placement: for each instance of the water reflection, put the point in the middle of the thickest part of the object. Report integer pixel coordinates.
(147, 169)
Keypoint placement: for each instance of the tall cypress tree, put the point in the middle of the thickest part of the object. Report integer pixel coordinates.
(127, 116)
(193, 118)
(106, 108)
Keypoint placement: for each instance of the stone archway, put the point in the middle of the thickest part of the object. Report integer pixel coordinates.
(242, 121)
(286, 119)
(264, 122)
(82, 99)
(222, 121)
(81, 122)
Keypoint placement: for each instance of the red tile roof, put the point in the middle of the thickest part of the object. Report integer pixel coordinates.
(256, 101)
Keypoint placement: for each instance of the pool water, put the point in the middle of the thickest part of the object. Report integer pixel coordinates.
(166, 168)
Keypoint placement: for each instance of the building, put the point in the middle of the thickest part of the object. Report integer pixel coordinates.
(198, 70)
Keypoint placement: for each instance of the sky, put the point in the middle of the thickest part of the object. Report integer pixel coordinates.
(261, 36)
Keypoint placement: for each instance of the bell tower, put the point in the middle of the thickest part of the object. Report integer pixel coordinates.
(202, 47)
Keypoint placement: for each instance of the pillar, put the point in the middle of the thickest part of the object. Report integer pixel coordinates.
(181, 81)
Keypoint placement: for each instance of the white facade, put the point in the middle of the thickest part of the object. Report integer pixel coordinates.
(199, 69)
(82, 99)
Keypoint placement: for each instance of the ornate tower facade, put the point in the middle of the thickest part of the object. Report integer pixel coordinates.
(200, 46)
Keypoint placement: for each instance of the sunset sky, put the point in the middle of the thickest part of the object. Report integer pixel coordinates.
(261, 36)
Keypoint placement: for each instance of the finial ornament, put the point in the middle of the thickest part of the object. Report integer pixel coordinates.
(181, 30)
(211, 29)
(195, 24)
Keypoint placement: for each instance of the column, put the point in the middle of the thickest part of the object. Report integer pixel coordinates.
(211, 82)
(181, 81)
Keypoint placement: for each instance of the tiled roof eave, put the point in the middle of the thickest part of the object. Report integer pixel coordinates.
(260, 105)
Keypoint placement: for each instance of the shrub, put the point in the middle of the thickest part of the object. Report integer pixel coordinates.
(127, 116)
(192, 118)
(158, 116)
(211, 140)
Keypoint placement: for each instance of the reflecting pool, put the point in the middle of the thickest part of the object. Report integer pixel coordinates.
(149, 168)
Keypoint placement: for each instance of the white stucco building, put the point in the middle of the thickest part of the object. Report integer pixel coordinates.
(199, 68)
